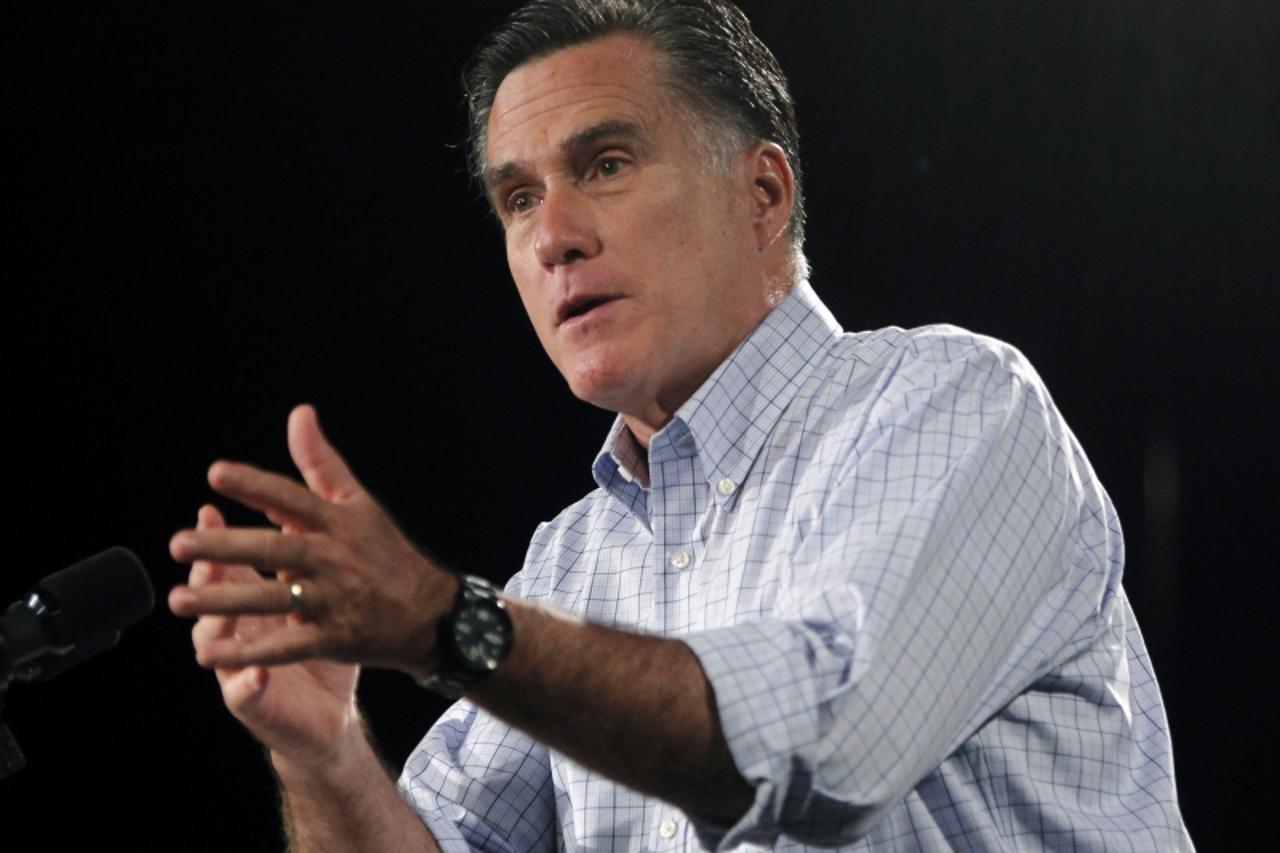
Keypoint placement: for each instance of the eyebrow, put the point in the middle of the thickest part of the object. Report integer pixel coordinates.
(572, 146)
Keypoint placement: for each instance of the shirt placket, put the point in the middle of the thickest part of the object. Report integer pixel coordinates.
(678, 497)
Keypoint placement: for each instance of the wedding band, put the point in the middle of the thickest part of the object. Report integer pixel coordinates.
(295, 597)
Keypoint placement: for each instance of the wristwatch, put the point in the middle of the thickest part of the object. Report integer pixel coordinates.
(475, 637)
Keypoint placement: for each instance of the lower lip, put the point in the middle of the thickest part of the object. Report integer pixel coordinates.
(582, 321)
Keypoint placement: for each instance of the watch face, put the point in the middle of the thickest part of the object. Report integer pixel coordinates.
(480, 637)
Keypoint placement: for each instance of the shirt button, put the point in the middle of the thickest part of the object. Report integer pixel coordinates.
(668, 829)
(680, 559)
(726, 487)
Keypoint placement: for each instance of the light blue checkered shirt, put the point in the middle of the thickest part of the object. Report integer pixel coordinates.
(902, 579)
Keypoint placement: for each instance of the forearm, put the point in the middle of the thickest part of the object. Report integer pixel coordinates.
(349, 804)
(635, 708)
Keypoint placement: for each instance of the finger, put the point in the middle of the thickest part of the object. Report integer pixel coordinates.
(324, 469)
(206, 571)
(242, 689)
(264, 548)
(286, 522)
(232, 599)
(181, 604)
(300, 642)
(283, 499)
(208, 517)
(209, 628)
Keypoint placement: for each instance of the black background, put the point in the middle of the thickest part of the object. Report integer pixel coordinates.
(218, 210)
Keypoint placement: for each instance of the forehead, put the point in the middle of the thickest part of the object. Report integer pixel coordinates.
(544, 102)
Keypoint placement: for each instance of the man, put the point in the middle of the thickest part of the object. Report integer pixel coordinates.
(833, 589)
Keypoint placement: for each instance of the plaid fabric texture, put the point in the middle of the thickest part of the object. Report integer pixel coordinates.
(902, 579)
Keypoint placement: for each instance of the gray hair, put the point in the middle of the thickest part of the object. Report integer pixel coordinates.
(715, 65)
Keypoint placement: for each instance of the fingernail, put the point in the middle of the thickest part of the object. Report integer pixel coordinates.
(181, 599)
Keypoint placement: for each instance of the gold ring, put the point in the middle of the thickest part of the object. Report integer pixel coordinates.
(295, 597)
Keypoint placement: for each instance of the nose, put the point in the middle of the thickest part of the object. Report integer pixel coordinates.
(566, 228)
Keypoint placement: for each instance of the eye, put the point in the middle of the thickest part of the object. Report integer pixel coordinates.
(521, 201)
(610, 165)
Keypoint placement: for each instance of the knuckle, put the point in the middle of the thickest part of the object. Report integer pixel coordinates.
(319, 551)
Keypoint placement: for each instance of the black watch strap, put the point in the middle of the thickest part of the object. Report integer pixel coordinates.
(475, 637)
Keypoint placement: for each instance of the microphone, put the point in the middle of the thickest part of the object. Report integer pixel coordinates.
(73, 615)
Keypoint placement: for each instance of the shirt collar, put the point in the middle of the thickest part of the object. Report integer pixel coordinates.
(732, 413)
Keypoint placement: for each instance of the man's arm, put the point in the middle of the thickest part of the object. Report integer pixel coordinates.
(348, 804)
(899, 632)
(336, 794)
(637, 709)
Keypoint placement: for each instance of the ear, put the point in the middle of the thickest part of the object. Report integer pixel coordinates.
(773, 192)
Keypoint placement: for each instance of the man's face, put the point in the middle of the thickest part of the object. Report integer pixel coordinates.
(639, 267)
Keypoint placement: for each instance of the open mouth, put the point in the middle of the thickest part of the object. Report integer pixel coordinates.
(581, 307)
(584, 306)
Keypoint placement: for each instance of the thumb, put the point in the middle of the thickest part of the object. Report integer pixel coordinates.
(322, 467)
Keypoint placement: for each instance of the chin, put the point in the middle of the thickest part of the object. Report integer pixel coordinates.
(603, 383)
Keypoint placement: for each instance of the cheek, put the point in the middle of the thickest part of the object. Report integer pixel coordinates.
(692, 224)
(668, 208)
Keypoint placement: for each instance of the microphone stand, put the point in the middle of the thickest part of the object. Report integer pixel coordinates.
(11, 760)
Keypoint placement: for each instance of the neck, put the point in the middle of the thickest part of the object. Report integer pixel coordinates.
(643, 424)
(642, 431)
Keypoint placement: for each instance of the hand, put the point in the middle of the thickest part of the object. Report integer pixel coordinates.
(300, 710)
(368, 596)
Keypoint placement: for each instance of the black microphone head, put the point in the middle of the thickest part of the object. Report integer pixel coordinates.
(92, 601)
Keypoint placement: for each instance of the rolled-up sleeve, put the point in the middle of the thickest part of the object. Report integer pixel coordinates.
(481, 785)
(944, 572)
